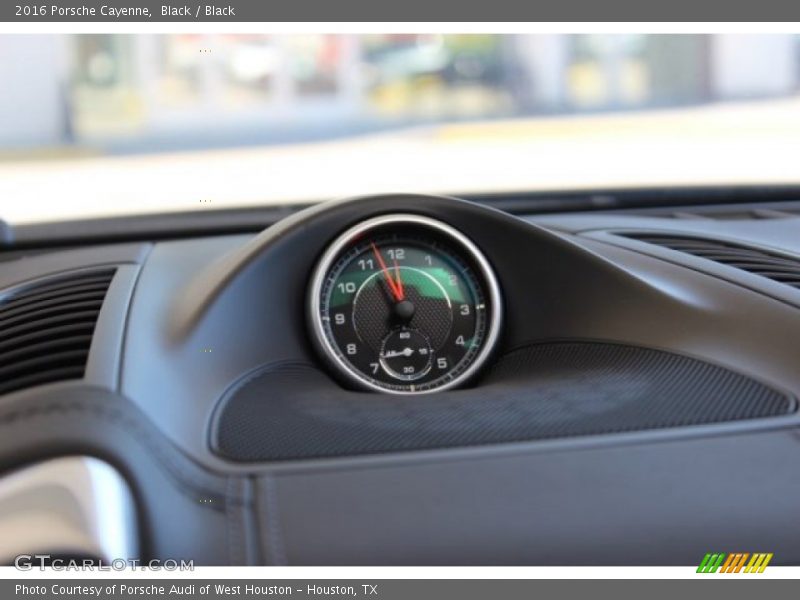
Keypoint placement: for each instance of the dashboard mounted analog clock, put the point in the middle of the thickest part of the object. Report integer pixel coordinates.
(404, 304)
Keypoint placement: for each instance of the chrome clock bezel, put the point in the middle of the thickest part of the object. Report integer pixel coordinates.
(459, 242)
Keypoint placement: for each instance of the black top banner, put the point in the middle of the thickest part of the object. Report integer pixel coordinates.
(398, 11)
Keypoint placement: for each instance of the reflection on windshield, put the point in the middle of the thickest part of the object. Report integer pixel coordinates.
(129, 93)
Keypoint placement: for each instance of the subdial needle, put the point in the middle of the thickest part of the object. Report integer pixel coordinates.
(396, 353)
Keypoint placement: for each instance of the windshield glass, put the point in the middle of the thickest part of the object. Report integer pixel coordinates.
(109, 125)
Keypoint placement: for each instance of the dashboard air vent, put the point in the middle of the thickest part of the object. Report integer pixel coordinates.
(46, 328)
(779, 268)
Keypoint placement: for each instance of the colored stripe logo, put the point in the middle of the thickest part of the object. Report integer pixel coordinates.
(734, 563)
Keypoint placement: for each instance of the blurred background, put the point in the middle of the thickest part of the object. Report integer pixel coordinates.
(77, 100)
(132, 93)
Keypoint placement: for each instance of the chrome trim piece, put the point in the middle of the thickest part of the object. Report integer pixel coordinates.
(75, 506)
(460, 240)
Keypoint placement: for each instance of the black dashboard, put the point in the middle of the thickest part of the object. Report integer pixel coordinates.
(580, 388)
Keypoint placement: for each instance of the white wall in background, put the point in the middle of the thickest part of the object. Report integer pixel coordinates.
(544, 58)
(32, 110)
(753, 65)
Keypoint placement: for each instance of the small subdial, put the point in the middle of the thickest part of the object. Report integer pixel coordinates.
(406, 354)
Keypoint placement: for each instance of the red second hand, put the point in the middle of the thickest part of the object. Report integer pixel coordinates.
(398, 280)
(392, 285)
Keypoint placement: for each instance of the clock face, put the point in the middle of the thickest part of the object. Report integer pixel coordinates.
(405, 304)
